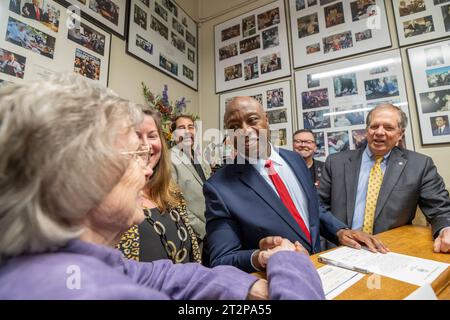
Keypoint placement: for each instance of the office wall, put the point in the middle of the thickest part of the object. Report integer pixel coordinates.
(126, 73)
(209, 101)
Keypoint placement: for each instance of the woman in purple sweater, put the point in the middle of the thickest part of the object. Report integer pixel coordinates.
(71, 177)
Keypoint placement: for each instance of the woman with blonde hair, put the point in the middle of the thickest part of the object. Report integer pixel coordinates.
(166, 232)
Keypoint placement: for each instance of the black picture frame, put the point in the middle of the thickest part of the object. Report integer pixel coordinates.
(66, 43)
(88, 14)
(161, 40)
(281, 50)
(434, 13)
(420, 67)
(344, 109)
(379, 38)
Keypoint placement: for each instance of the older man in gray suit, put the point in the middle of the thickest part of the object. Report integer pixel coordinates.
(379, 187)
(189, 171)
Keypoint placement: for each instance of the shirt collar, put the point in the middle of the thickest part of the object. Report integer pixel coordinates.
(369, 154)
(274, 156)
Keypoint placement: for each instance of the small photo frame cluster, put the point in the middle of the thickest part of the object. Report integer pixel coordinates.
(276, 101)
(163, 36)
(430, 66)
(327, 30)
(252, 48)
(38, 38)
(109, 14)
(421, 20)
(333, 100)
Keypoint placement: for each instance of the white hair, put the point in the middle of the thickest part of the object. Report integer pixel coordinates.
(58, 158)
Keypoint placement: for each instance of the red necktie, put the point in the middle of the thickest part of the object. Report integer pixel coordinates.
(38, 14)
(286, 197)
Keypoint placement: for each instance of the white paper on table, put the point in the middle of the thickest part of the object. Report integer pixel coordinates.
(336, 280)
(425, 292)
(405, 268)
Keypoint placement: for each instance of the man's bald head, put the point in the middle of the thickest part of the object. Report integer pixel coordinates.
(245, 116)
(241, 102)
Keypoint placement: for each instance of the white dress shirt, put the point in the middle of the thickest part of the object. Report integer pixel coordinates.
(289, 179)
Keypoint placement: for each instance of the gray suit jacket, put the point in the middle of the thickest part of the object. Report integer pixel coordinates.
(410, 179)
(190, 183)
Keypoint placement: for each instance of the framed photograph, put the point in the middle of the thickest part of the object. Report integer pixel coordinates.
(163, 36)
(252, 48)
(430, 71)
(333, 100)
(328, 30)
(276, 100)
(110, 15)
(421, 20)
(38, 40)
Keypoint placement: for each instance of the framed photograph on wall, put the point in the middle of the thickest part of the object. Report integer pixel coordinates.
(36, 42)
(163, 36)
(252, 48)
(421, 20)
(430, 70)
(327, 30)
(111, 15)
(276, 101)
(333, 100)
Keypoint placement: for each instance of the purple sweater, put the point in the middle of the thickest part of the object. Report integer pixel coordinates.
(82, 270)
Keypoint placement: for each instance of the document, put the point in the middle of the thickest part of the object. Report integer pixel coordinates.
(423, 293)
(336, 280)
(405, 268)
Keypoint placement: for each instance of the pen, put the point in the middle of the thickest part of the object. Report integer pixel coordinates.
(342, 265)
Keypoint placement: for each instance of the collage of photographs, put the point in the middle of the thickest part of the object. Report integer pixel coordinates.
(109, 14)
(252, 47)
(252, 39)
(421, 20)
(34, 28)
(157, 26)
(431, 79)
(335, 107)
(276, 101)
(328, 29)
(107, 9)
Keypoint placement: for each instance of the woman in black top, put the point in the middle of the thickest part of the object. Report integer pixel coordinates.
(166, 233)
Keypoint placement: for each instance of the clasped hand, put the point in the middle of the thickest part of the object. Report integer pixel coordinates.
(270, 245)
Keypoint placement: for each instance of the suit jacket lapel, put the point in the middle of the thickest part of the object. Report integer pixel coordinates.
(351, 176)
(186, 162)
(250, 177)
(395, 167)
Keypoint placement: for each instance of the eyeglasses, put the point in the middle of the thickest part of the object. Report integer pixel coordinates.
(143, 153)
(309, 142)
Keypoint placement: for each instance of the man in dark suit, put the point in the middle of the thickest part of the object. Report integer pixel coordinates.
(305, 145)
(32, 10)
(308, 120)
(266, 192)
(442, 127)
(405, 179)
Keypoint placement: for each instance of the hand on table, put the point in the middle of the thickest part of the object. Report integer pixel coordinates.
(442, 242)
(356, 238)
